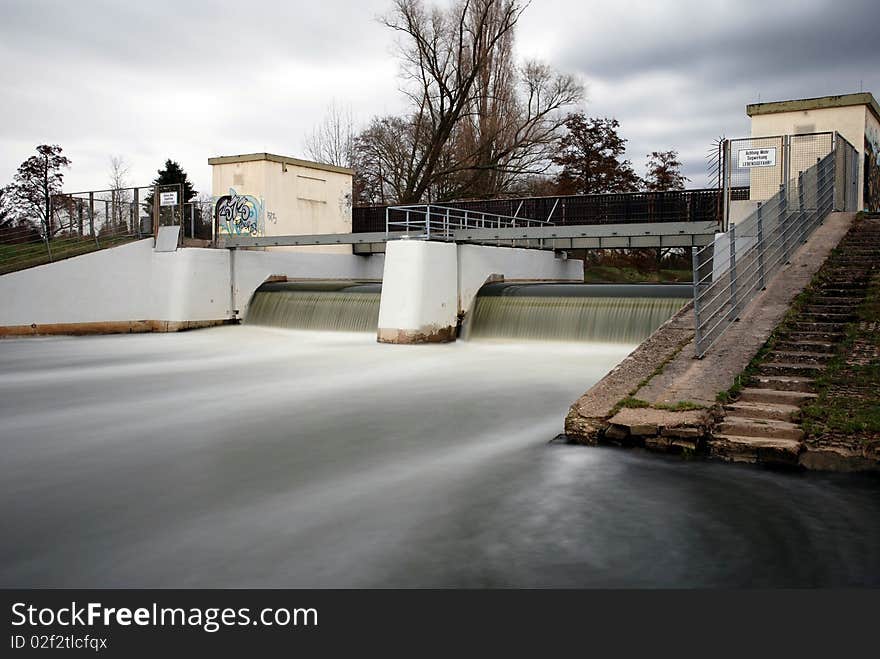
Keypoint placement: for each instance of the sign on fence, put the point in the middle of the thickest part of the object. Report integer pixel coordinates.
(756, 157)
(168, 199)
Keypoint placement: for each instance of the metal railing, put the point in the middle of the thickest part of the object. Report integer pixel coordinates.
(730, 272)
(82, 222)
(432, 222)
(702, 205)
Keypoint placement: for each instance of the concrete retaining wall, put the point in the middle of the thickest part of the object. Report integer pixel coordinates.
(428, 286)
(134, 288)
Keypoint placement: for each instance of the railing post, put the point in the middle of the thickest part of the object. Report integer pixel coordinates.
(760, 247)
(802, 211)
(137, 212)
(387, 228)
(698, 338)
(92, 231)
(428, 222)
(733, 300)
(783, 222)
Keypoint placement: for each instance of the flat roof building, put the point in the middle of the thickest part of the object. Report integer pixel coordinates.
(855, 116)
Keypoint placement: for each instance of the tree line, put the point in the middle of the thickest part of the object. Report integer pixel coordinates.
(480, 124)
(30, 204)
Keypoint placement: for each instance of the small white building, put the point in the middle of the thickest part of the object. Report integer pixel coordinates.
(855, 116)
(263, 194)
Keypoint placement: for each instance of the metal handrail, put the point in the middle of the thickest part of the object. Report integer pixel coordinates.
(753, 251)
(437, 222)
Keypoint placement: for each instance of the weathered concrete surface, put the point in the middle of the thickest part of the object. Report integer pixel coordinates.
(670, 350)
(659, 429)
(700, 380)
(587, 418)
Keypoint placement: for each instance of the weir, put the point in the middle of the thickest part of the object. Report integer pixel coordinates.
(607, 313)
(601, 313)
(344, 307)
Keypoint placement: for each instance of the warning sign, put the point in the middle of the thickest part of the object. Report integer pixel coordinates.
(168, 199)
(757, 157)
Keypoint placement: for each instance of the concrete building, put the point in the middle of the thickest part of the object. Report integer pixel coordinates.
(263, 194)
(855, 116)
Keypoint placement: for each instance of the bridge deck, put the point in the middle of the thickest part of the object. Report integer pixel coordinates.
(584, 236)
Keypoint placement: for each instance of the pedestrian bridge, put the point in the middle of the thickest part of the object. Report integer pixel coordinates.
(450, 224)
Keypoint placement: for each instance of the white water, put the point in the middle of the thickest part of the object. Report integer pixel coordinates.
(249, 456)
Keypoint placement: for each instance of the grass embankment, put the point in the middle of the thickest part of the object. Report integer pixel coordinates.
(18, 256)
(848, 390)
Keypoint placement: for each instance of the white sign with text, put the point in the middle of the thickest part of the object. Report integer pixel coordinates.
(757, 157)
(168, 199)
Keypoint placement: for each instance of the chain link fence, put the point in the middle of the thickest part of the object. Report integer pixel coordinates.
(82, 222)
(729, 273)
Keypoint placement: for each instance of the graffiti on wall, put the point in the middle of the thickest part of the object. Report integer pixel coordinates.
(872, 168)
(239, 214)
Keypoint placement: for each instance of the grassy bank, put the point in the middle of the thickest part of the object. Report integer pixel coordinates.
(19, 256)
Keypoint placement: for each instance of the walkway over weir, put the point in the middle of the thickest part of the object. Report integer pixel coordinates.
(445, 223)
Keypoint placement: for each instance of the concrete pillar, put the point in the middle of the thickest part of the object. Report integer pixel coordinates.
(419, 292)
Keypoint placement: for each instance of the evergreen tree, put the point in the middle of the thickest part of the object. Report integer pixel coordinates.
(173, 174)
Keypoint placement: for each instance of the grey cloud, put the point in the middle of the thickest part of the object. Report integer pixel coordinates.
(195, 79)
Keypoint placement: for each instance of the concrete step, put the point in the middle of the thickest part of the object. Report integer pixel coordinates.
(824, 337)
(736, 448)
(805, 326)
(767, 428)
(845, 309)
(782, 382)
(752, 410)
(788, 368)
(775, 396)
(830, 291)
(806, 346)
(852, 301)
(799, 357)
(822, 317)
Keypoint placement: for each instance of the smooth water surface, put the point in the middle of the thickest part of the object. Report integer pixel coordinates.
(258, 457)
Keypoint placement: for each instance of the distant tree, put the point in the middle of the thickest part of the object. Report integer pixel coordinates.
(7, 215)
(382, 156)
(475, 121)
(590, 155)
(173, 174)
(120, 198)
(37, 179)
(664, 172)
(332, 140)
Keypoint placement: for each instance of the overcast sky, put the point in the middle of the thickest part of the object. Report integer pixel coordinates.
(190, 80)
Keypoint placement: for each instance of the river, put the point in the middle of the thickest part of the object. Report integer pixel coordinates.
(261, 457)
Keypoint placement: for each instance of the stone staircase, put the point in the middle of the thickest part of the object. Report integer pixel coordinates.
(762, 425)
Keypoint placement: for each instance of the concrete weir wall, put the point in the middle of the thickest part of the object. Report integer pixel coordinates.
(428, 287)
(133, 288)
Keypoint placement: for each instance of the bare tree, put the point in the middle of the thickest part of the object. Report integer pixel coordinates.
(331, 141)
(120, 198)
(476, 120)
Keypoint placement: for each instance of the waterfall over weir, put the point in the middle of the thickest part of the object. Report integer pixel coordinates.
(607, 313)
(339, 306)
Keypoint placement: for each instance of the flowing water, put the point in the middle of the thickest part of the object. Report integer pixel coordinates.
(260, 457)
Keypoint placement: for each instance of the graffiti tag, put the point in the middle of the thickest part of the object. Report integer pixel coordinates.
(239, 214)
